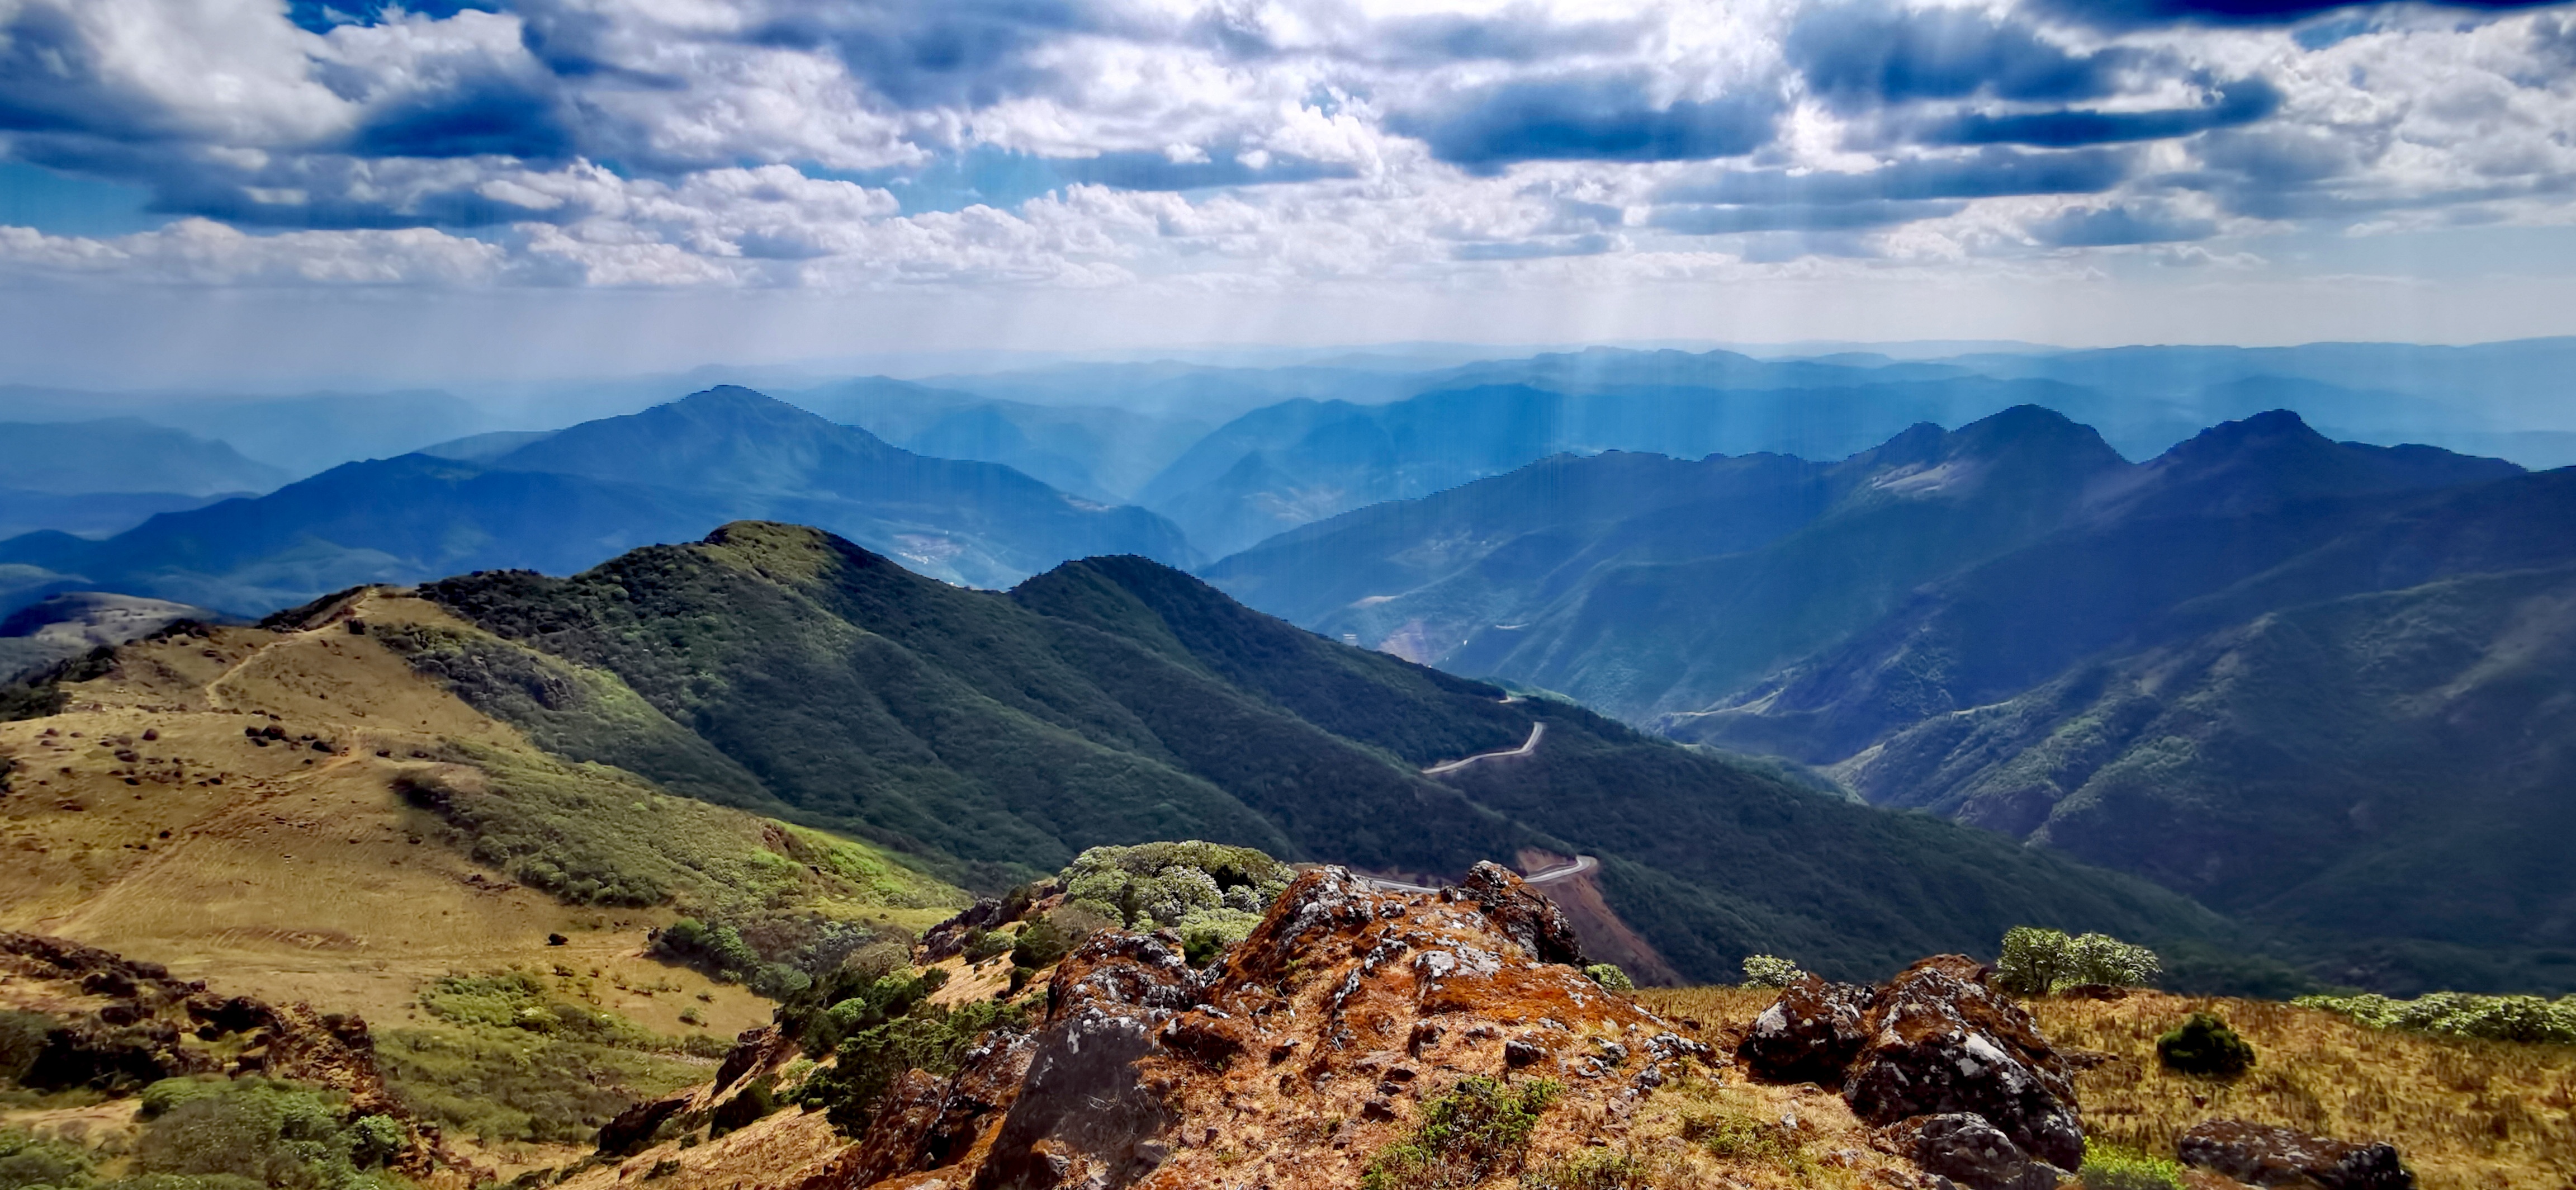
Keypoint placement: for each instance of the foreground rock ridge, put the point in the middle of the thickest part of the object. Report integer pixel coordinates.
(1289, 1062)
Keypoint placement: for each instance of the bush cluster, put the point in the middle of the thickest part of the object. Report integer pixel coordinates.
(524, 1064)
(1479, 1128)
(931, 1038)
(2204, 1045)
(776, 955)
(1209, 893)
(206, 1133)
(2460, 1014)
(1609, 975)
(1770, 971)
(2038, 962)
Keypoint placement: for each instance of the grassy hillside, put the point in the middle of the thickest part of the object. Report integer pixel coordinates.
(293, 813)
(1115, 700)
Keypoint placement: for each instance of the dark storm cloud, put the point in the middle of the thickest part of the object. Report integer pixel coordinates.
(2241, 102)
(1862, 55)
(1987, 173)
(1591, 118)
(1853, 216)
(2129, 14)
(2115, 226)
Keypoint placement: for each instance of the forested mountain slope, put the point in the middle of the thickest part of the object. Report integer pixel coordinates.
(2322, 685)
(1117, 700)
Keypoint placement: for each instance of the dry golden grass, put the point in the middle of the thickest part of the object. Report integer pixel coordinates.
(2463, 1113)
(302, 875)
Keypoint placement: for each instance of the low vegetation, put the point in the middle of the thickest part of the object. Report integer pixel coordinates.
(2459, 1014)
(1770, 971)
(1609, 975)
(219, 1134)
(1210, 894)
(1479, 1128)
(2113, 1167)
(522, 1059)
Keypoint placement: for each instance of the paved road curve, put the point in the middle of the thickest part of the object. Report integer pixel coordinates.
(1538, 731)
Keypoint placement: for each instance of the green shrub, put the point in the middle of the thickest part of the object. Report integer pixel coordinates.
(1479, 1128)
(1610, 976)
(2527, 1019)
(848, 1002)
(1770, 971)
(276, 1134)
(984, 944)
(932, 1039)
(2038, 962)
(751, 1104)
(22, 1038)
(2113, 1167)
(2204, 1045)
(28, 1160)
(1736, 1136)
(513, 1085)
(1592, 1169)
(1208, 888)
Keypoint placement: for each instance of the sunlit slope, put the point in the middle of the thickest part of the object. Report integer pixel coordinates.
(1116, 700)
(144, 817)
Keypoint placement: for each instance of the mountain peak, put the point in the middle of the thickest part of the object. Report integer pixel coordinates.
(2275, 456)
(724, 395)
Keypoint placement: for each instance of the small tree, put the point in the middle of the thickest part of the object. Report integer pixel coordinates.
(1610, 976)
(2037, 962)
(1770, 971)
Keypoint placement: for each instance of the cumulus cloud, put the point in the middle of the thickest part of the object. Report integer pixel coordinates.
(1248, 143)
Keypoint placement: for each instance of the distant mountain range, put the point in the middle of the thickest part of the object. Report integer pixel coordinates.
(2322, 685)
(94, 478)
(1114, 700)
(566, 500)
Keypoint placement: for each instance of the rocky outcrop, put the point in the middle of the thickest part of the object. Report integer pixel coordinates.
(1810, 1035)
(1084, 1117)
(1311, 1046)
(1956, 1070)
(2263, 1155)
(1964, 1148)
(1523, 914)
(152, 1026)
(1942, 1041)
(948, 939)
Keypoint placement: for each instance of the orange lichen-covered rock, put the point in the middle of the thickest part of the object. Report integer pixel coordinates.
(1311, 1046)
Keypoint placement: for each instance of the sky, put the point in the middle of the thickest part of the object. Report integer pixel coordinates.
(205, 191)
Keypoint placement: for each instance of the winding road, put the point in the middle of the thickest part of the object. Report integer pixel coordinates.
(1538, 731)
(1565, 871)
